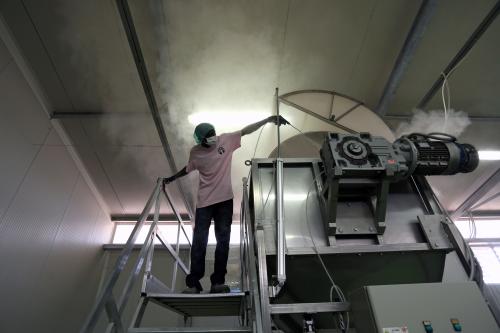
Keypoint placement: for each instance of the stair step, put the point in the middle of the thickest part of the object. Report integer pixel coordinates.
(192, 305)
(190, 330)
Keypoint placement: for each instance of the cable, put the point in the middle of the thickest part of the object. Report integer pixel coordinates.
(255, 149)
(447, 101)
(272, 184)
(445, 137)
(258, 140)
(338, 290)
(343, 325)
(445, 107)
(472, 232)
(268, 194)
(311, 141)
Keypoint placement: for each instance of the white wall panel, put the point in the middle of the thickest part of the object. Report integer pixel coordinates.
(30, 226)
(70, 261)
(21, 128)
(14, 164)
(51, 226)
(93, 164)
(20, 107)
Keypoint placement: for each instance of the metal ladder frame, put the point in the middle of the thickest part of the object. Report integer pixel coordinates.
(106, 300)
(251, 309)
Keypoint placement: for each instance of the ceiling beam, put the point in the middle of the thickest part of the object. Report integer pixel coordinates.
(96, 114)
(480, 190)
(131, 114)
(135, 48)
(424, 14)
(476, 35)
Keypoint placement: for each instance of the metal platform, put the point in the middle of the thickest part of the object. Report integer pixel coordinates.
(191, 330)
(193, 305)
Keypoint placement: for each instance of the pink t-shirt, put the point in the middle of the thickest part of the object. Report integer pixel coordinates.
(214, 166)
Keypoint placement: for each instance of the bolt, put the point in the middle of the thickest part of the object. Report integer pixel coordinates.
(355, 229)
(436, 244)
(339, 230)
(371, 229)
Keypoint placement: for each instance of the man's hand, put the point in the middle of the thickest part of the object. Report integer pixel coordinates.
(170, 179)
(167, 180)
(282, 121)
(271, 119)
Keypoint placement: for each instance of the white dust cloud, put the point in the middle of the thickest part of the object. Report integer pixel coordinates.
(434, 121)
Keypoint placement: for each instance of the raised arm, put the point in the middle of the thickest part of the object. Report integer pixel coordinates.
(255, 126)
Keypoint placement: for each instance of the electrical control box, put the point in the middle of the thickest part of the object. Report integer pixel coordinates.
(425, 307)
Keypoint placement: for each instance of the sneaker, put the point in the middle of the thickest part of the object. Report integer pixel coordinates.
(219, 289)
(191, 290)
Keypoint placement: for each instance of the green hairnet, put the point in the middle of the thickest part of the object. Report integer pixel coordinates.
(201, 131)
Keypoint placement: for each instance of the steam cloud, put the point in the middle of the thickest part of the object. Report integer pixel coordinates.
(434, 121)
(122, 141)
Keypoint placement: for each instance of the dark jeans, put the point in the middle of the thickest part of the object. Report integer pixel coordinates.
(222, 213)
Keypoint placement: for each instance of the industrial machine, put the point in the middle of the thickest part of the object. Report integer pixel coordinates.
(358, 216)
(362, 166)
(340, 231)
(368, 221)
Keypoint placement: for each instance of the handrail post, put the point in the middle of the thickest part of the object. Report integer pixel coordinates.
(176, 213)
(149, 241)
(252, 269)
(242, 244)
(177, 250)
(149, 261)
(280, 241)
(114, 315)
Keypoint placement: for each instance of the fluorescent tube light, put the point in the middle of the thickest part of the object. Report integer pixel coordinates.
(489, 155)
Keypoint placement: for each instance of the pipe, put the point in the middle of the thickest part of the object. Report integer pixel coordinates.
(135, 48)
(280, 228)
(413, 38)
(278, 120)
(480, 30)
(280, 251)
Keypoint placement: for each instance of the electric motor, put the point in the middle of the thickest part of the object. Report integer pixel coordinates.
(437, 154)
(364, 155)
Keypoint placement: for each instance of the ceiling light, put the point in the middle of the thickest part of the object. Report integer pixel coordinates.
(227, 119)
(489, 155)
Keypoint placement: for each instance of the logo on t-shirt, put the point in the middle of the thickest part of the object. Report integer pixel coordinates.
(221, 150)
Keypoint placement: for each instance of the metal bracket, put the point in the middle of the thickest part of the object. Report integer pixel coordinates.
(155, 286)
(434, 232)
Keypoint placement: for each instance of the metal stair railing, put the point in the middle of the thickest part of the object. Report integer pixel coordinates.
(106, 300)
(244, 304)
(249, 276)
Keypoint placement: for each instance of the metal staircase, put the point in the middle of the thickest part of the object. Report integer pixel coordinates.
(237, 304)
